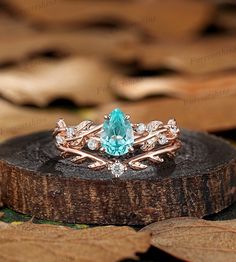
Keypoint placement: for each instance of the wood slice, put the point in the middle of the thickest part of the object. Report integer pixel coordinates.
(34, 180)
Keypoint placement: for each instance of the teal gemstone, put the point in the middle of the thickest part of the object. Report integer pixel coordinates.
(117, 135)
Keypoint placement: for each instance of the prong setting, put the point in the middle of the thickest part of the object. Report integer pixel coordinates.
(131, 149)
(102, 150)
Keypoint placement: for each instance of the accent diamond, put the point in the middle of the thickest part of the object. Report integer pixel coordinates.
(92, 144)
(117, 169)
(162, 139)
(140, 129)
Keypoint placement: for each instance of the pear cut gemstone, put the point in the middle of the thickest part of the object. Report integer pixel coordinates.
(117, 135)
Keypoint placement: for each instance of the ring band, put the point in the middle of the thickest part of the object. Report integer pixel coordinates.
(117, 144)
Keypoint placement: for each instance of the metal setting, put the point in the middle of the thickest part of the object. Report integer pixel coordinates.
(82, 142)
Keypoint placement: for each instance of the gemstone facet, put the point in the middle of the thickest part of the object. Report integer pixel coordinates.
(117, 135)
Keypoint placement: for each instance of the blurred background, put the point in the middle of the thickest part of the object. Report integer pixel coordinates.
(154, 59)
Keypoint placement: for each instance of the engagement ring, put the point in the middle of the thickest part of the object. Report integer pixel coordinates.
(117, 144)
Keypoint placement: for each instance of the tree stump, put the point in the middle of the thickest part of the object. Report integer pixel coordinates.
(35, 180)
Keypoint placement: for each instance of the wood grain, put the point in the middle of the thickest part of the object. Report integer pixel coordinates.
(36, 181)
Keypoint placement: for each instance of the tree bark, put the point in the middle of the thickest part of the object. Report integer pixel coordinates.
(35, 180)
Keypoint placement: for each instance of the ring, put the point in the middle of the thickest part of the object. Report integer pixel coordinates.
(117, 144)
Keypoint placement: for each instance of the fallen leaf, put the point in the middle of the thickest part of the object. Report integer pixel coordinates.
(3, 225)
(30, 42)
(193, 239)
(202, 56)
(152, 17)
(17, 223)
(41, 82)
(1, 215)
(15, 120)
(180, 86)
(226, 19)
(206, 114)
(57, 243)
(124, 45)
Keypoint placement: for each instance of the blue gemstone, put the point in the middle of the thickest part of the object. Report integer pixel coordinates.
(117, 135)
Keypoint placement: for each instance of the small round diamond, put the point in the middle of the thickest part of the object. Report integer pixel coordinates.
(153, 125)
(92, 144)
(60, 140)
(70, 132)
(162, 139)
(117, 169)
(140, 129)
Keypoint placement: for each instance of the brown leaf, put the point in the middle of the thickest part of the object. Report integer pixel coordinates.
(193, 239)
(184, 87)
(16, 120)
(43, 82)
(226, 19)
(109, 43)
(212, 111)
(153, 17)
(56, 243)
(3, 225)
(194, 57)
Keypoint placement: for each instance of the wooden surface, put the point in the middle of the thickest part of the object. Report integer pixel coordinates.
(34, 180)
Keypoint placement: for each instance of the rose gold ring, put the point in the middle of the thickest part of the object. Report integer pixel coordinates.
(117, 144)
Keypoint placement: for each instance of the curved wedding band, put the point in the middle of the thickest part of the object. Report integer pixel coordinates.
(117, 144)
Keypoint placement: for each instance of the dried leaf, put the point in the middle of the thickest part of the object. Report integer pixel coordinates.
(109, 43)
(183, 87)
(57, 243)
(153, 17)
(196, 57)
(226, 19)
(193, 239)
(4, 225)
(212, 111)
(16, 120)
(44, 81)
